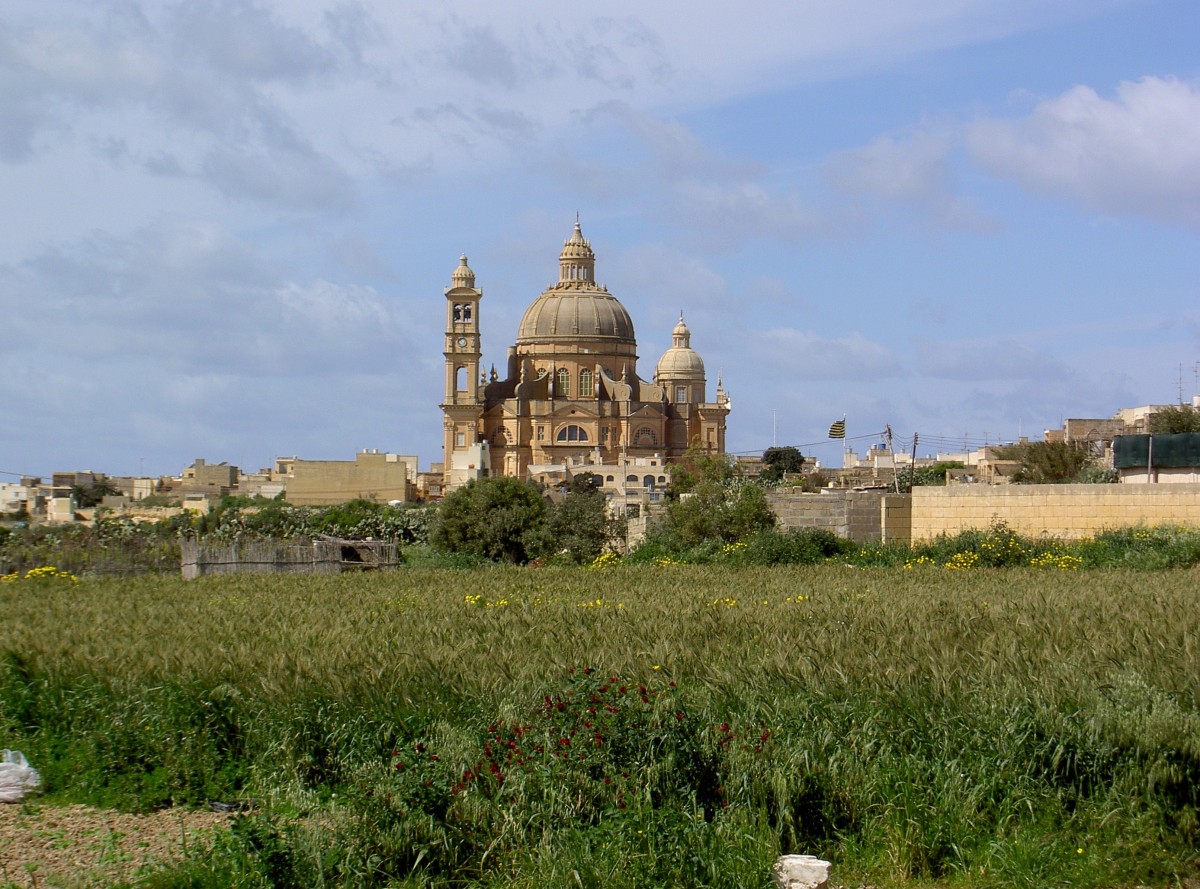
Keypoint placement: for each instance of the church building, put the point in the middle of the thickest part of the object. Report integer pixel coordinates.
(570, 399)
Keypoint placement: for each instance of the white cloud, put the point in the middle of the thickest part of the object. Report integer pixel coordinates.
(998, 360)
(193, 89)
(482, 56)
(911, 169)
(722, 215)
(188, 323)
(1136, 153)
(197, 297)
(668, 277)
(801, 355)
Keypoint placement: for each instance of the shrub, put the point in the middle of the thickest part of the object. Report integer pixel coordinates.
(720, 512)
(1047, 462)
(779, 461)
(1175, 419)
(579, 525)
(803, 546)
(1142, 548)
(502, 519)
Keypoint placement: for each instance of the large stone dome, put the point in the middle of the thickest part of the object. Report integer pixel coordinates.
(576, 308)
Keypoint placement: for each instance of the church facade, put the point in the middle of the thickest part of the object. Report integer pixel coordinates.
(570, 399)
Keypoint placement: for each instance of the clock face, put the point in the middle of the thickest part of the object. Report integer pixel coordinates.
(462, 341)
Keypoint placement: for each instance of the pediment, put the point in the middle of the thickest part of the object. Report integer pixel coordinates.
(574, 411)
(648, 412)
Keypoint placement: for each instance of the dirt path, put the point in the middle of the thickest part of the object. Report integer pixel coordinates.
(50, 846)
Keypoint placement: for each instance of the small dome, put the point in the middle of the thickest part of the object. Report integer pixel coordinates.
(679, 363)
(681, 360)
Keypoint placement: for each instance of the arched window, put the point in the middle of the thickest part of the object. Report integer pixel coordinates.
(631, 479)
(645, 438)
(585, 384)
(608, 478)
(562, 388)
(571, 433)
(648, 481)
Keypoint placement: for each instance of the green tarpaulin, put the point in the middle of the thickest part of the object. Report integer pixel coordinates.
(1180, 451)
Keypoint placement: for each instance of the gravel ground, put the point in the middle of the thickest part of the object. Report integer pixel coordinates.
(75, 846)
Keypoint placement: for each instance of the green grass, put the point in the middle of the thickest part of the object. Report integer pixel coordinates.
(992, 727)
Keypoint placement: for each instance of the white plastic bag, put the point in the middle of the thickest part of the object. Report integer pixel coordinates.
(17, 778)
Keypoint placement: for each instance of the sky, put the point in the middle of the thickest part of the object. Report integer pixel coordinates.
(226, 227)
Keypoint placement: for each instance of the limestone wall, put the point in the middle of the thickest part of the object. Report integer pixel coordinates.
(1068, 511)
(852, 514)
(896, 518)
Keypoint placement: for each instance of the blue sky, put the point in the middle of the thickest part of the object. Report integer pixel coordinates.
(228, 225)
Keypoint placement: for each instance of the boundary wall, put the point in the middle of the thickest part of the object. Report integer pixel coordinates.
(1067, 511)
(330, 556)
(856, 515)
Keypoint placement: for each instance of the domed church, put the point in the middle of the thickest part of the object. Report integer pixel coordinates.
(571, 400)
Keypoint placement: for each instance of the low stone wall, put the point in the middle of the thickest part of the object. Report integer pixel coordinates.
(896, 518)
(856, 515)
(1067, 511)
(332, 556)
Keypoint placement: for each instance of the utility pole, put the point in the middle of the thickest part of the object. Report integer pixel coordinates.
(912, 469)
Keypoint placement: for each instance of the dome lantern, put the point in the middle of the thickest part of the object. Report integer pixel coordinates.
(462, 276)
(577, 262)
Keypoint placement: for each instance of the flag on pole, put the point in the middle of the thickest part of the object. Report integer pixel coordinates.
(838, 429)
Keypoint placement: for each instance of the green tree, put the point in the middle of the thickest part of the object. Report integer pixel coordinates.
(1047, 462)
(697, 466)
(1175, 419)
(926, 475)
(777, 461)
(90, 495)
(580, 525)
(713, 510)
(502, 519)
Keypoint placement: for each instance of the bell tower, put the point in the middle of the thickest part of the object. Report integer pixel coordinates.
(462, 407)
